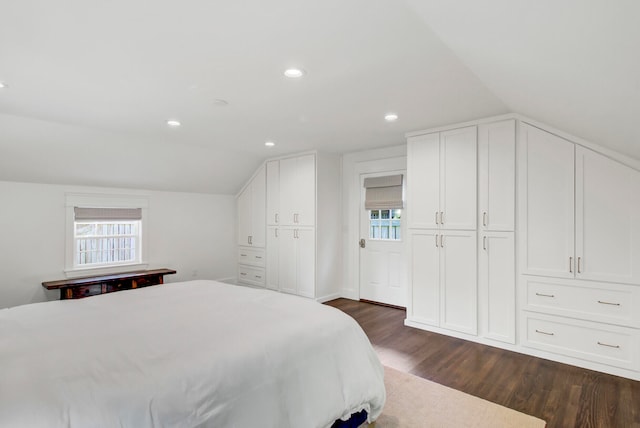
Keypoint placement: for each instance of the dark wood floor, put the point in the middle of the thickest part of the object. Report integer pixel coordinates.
(562, 395)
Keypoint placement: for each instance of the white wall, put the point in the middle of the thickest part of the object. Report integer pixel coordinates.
(353, 164)
(189, 232)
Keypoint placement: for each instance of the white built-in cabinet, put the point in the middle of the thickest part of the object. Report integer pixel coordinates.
(441, 205)
(251, 231)
(443, 279)
(579, 211)
(251, 211)
(442, 190)
(496, 230)
(302, 204)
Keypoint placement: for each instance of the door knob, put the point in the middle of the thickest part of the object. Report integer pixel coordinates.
(363, 243)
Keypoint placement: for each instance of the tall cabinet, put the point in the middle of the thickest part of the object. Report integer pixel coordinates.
(441, 205)
(251, 230)
(496, 230)
(302, 240)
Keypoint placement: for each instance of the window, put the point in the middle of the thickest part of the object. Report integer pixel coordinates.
(104, 233)
(385, 224)
(106, 242)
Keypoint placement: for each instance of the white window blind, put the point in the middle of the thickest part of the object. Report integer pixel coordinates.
(107, 214)
(383, 192)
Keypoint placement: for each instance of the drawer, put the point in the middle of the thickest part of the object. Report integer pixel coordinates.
(610, 303)
(601, 343)
(251, 256)
(250, 275)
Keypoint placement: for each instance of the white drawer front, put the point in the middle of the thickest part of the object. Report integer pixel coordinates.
(614, 346)
(610, 303)
(251, 256)
(251, 276)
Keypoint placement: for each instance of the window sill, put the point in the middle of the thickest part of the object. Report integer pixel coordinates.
(78, 272)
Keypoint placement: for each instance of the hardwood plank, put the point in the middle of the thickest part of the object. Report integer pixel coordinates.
(562, 395)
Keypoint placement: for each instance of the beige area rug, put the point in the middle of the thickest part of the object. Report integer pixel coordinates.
(416, 402)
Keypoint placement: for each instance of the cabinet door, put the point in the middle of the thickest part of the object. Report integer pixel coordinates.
(244, 216)
(273, 250)
(496, 277)
(273, 192)
(288, 189)
(607, 219)
(287, 260)
(458, 281)
(305, 199)
(458, 182)
(496, 172)
(258, 192)
(425, 277)
(423, 181)
(306, 261)
(548, 203)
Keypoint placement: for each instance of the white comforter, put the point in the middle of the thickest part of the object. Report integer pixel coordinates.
(198, 353)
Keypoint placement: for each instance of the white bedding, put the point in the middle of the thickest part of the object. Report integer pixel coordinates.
(197, 353)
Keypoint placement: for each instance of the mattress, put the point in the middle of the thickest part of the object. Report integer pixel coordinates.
(189, 354)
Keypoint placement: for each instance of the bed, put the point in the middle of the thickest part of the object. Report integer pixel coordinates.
(188, 354)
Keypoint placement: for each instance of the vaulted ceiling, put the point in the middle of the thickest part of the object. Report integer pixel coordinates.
(90, 85)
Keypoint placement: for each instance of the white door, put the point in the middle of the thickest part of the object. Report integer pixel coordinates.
(548, 214)
(244, 216)
(273, 193)
(425, 277)
(273, 253)
(287, 263)
(607, 219)
(458, 281)
(458, 182)
(496, 277)
(382, 265)
(306, 261)
(258, 192)
(496, 172)
(423, 183)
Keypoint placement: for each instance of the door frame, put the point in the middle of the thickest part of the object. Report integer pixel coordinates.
(351, 274)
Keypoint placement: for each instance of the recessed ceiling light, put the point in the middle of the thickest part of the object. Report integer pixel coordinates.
(294, 72)
(269, 143)
(3, 85)
(173, 123)
(391, 117)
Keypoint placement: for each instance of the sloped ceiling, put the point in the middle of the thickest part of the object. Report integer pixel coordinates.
(574, 64)
(91, 84)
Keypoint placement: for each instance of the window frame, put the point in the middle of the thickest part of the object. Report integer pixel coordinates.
(390, 220)
(104, 201)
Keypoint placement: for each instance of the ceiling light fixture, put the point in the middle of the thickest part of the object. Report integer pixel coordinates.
(294, 73)
(269, 143)
(391, 117)
(173, 123)
(3, 85)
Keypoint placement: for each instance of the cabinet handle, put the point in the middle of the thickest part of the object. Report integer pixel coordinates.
(609, 346)
(276, 217)
(608, 303)
(579, 264)
(295, 233)
(545, 295)
(441, 217)
(249, 240)
(484, 243)
(437, 217)
(243, 273)
(258, 257)
(258, 276)
(276, 232)
(570, 264)
(544, 332)
(243, 255)
(484, 219)
(295, 218)
(441, 241)
(436, 241)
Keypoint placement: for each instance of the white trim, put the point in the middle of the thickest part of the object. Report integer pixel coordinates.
(87, 271)
(328, 297)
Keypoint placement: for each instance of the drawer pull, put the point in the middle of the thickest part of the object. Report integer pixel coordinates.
(609, 346)
(608, 303)
(258, 276)
(243, 255)
(544, 332)
(258, 257)
(243, 273)
(545, 295)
